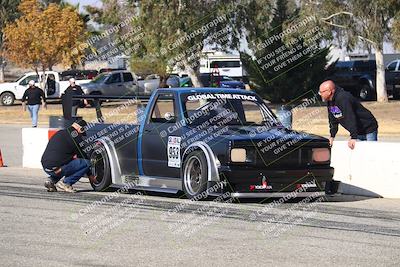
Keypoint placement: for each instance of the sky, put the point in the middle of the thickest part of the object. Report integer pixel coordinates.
(85, 3)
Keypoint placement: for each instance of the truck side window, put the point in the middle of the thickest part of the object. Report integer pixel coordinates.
(25, 81)
(225, 64)
(127, 77)
(252, 113)
(163, 110)
(115, 78)
(392, 66)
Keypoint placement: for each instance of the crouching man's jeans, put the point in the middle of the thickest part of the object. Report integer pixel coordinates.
(73, 171)
(369, 137)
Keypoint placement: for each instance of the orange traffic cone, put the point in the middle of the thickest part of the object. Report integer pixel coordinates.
(1, 160)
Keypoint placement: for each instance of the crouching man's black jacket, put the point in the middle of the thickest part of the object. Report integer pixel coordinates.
(348, 111)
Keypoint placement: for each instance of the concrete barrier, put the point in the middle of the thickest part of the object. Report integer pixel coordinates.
(34, 142)
(371, 169)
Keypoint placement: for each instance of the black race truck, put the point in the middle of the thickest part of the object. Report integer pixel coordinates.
(208, 141)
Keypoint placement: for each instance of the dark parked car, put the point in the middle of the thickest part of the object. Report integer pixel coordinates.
(78, 74)
(209, 80)
(359, 78)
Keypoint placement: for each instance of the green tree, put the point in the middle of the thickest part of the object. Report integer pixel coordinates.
(8, 12)
(174, 33)
(283, 67)
(359, 21)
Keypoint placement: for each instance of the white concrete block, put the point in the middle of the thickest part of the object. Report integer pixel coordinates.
(34, 142)
(371, 169)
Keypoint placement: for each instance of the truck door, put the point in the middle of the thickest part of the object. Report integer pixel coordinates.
(160, 149)
(129, 87)
(52, 86)
(391, 73)
(114, 85)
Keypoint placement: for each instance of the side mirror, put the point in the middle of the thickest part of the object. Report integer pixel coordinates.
(169, 116)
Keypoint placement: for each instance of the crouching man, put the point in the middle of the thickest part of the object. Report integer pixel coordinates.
(64, 157)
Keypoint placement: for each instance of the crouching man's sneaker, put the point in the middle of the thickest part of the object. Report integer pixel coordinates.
(65, 187)
(49, 184)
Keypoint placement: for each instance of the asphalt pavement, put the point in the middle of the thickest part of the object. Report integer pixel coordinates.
(89, 228)
(119, 228)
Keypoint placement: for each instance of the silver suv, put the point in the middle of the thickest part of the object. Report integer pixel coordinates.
(114, 83)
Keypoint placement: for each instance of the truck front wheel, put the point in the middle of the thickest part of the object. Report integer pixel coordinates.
(7, 99)
(100, 166)
(195, 172)
(366, 93)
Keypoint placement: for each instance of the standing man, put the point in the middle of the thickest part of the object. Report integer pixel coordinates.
(64, 157)
(33, 95)
(345, 109)
(73, 90)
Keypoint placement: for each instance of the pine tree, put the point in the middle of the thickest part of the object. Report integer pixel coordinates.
(278, 74)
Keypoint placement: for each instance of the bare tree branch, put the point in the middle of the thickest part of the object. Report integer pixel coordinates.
(326, 20)
(368, 40)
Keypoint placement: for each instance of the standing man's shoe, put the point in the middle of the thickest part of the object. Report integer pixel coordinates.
(49, 184)
(65, 187)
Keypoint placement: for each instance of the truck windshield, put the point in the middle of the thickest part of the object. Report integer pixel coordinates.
(226, 109)
(100, 78)
(20, 77)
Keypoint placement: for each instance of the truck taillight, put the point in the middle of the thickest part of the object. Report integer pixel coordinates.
(321, 155)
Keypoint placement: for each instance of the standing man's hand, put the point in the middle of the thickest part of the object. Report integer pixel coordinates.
(23, 106)
(331, 141)
(44, 105)
(352, 143)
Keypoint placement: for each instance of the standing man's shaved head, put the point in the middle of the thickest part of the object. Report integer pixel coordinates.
(326, 90)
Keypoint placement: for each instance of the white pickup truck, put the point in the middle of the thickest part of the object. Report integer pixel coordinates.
(55, 87)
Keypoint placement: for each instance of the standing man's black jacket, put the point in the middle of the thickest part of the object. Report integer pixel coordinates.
(74, 91)
(67, 101)
(348, 111)
(34, 96)
(62, 147)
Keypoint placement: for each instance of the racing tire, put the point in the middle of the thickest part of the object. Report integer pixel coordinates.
(7, 99)
(366, 93)
(100, 167)
(194, 176)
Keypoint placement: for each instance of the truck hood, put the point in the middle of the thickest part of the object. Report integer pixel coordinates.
(254, 134)
(89, 85)
(258, 133)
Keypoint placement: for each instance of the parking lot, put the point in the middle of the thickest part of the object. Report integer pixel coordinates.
(39, 227)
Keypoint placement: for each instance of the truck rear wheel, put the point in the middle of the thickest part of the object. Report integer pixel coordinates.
(195, 173)
(7, 99)
(100, 168)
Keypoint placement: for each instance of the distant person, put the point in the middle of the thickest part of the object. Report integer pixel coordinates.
(64, 157)
(347, 110)
(73, 90)
(33, 96)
